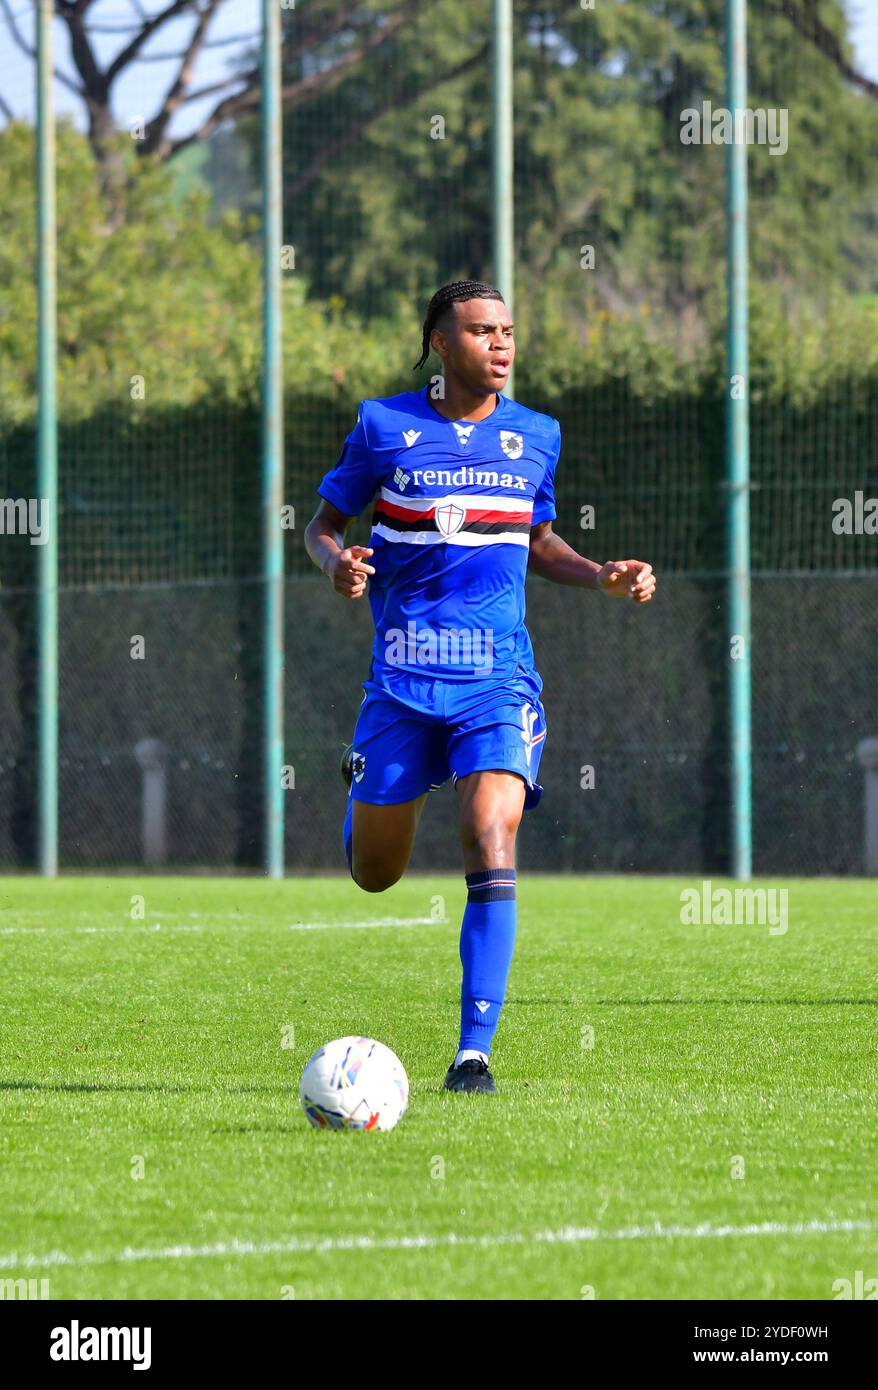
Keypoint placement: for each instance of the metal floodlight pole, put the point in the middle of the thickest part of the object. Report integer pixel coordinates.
(47, 454)
(738, 451)
(272, 445)
(502, 159)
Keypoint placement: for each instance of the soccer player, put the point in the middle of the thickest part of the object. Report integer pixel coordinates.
(463, 483)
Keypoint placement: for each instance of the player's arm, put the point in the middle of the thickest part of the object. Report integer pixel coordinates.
(345, 566)
(554, 559)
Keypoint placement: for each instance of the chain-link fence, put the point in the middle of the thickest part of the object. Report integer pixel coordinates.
(620, 312)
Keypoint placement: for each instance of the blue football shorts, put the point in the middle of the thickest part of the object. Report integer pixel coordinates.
(414, 732)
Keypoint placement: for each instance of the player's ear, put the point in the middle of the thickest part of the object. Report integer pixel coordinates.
(439, 343)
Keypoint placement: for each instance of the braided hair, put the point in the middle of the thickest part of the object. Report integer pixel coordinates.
(456, 292)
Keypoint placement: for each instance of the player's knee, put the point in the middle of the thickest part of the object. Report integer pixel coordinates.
(374, 878)
(493, 837)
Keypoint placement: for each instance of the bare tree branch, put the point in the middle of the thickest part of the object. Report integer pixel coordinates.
(198, 93)
(176, 93)
(208, 43)
(807, 22)
(94, 81)
(113, 28)
(233, 38)
(297, 93)
(16, 33)
(364, 31)
(32, 53)
(152, 26)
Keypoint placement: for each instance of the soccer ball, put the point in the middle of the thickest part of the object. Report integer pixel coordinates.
(354, 1083)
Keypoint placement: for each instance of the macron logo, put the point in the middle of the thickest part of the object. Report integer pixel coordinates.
(410, 436)
(75, 1343)
(464, 432)
(482, 1005)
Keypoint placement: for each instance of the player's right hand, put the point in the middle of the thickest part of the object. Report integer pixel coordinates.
(348, 571)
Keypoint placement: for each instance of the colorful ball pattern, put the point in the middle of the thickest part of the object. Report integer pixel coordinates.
(354, 1083)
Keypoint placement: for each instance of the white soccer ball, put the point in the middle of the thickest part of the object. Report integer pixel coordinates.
(354, 1083)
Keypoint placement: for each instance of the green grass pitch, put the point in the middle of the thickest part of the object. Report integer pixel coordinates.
(152, 1143)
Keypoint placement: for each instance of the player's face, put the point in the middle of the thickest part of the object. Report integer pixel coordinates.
(477, 345)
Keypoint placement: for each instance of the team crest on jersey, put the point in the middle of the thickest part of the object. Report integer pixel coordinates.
(358, 766)
(511, 444)
(449, 518)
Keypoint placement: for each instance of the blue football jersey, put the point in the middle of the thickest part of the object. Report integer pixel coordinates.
(454, 502)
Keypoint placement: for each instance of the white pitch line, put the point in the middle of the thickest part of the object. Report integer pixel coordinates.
(236, 926)
(133, 929)
(376, 922)
(569, 1235)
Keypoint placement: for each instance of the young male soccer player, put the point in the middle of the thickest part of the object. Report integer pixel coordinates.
(464, 508)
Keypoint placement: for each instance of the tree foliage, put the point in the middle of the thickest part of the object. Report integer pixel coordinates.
(387, 182)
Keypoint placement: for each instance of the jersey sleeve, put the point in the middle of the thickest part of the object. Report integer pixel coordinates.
(352, 483)
(544, 502)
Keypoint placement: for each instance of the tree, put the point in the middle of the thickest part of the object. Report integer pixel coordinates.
(352, 34)
(381, 207)
(364, 29)
(161, 297)
(387, 155)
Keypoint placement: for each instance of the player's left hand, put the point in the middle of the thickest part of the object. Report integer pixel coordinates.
(627, 579)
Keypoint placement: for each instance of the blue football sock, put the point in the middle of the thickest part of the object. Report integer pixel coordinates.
(348, 833)
(487, 940)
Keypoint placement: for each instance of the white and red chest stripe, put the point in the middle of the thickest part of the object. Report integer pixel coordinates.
(455, 519)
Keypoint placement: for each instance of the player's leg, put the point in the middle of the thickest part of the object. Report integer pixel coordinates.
(490, 807)
(495, 753)
(397, 755)
(382, 842)
(491, 804)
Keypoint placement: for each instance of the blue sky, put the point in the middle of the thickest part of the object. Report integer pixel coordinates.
(238, 19)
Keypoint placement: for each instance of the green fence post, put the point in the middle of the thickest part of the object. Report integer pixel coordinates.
(272, 444)
(738, 451)
(502, 160)
(47, 454)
